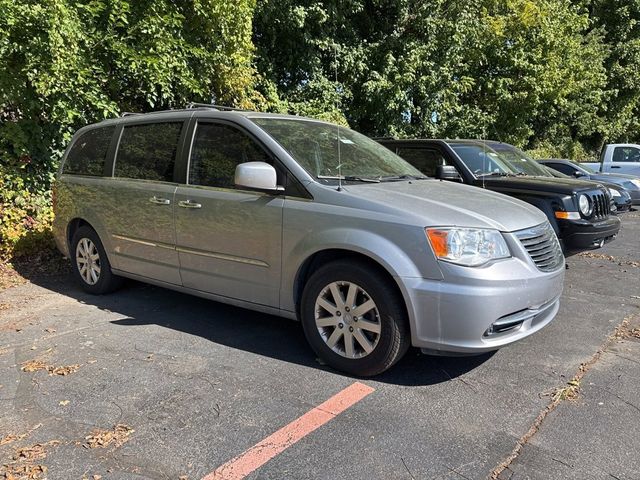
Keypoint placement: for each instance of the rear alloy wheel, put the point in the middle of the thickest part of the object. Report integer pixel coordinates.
(353, 319)
(90, 263)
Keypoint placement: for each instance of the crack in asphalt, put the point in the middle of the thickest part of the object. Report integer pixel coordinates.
(557, 400)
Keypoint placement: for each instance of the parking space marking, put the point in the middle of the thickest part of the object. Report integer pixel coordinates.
(256, 456)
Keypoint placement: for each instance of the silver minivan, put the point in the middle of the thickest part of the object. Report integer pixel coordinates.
(307, 220)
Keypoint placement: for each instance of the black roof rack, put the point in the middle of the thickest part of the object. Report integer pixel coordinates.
(214, 106)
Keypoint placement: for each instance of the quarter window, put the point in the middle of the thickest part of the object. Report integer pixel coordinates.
(148, 151)
(88, 153)
(217, 150)
(425, 160)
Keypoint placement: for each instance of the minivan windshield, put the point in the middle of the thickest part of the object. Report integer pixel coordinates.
(331, 153)
(482, 160)
(520, 161)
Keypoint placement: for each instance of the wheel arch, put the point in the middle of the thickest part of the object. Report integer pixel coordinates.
(322, 257)
(72, 228)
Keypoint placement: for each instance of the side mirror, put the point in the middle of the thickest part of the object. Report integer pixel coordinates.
(257, 176)
(579, 174)
(447, 172)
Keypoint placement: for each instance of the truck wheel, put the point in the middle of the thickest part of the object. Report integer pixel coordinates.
(353, 319)
(91, 266)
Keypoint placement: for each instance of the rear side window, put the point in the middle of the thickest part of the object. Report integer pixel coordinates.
(217, 150)
(88, 153)
(423, 159)
(148, 152)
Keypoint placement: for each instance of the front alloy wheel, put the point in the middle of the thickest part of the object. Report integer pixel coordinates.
(354, 317)
(348, 319)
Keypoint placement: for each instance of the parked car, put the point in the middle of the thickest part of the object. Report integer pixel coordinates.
(578, 211)
(620, 199)
(629, 183)
(525, 164)
(618, 158)
(309, 220)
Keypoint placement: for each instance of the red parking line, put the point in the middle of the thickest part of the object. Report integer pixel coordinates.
(256, 456)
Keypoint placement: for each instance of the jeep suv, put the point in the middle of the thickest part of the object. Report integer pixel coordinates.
(309, 220)
(578, 211)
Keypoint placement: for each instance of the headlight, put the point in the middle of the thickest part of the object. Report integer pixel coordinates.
(636, 183)
(585, 205)
(467, 246)
(614, 193)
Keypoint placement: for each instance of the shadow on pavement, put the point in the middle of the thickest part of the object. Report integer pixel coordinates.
(242, 329)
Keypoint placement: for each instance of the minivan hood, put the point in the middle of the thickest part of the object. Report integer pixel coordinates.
(443, 203)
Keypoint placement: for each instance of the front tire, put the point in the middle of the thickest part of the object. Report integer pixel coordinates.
(90, 264)
(353, 319)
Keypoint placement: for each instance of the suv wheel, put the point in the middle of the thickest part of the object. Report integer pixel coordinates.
(90, 263)
(353, 320)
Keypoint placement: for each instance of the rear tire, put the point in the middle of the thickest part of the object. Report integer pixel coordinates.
(353, 319)
(90, 264)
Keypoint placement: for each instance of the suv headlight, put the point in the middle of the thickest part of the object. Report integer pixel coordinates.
(467, 246)
(614, 193)
(585, 205)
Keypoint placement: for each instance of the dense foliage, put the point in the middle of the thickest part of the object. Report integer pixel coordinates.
(66, 63)
(556, 76)
(551, 74)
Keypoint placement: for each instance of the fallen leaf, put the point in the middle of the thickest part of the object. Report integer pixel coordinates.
(63, 370)
(63, 402)
(34, 452)
(33, 366)
(103, 438)
(21, 471)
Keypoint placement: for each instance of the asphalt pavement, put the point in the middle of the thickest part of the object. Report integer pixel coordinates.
(147, 383)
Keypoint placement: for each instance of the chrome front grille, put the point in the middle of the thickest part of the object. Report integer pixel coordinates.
(543, 247)
(601, 206)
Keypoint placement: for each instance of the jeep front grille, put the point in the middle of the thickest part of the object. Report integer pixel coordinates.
(601, 206)
(543, 247)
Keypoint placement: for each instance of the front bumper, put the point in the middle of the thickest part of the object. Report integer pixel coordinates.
(476, 310)
(581, 234)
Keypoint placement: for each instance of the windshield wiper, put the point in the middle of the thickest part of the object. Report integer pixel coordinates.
(391, 178)
(349, 178)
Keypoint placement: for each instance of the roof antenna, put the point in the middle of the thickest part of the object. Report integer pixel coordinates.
(484, 153)
(335, 70)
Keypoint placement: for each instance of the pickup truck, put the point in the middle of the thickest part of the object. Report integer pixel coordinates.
(618, 158)
(578, 211)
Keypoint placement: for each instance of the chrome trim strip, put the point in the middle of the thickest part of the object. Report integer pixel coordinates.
(144, 242)
(222, 256)
(219, 256)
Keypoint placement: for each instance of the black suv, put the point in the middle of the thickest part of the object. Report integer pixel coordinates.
(579, 211)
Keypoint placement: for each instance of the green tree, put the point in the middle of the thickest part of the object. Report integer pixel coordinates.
(619, 22)
(67, 63)
(526, 71)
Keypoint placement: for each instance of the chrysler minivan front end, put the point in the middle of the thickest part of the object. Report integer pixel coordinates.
(475, 309)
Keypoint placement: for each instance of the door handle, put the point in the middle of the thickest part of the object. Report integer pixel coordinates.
(615, 166)
(160, 201)
(189, 204)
